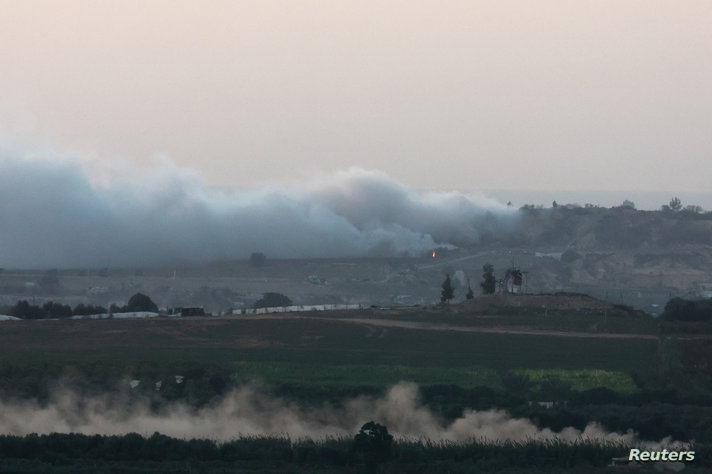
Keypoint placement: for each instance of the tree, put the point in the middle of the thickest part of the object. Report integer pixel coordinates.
(141, 302)
(448, 293)
(555, 389)
(258, 259)
(82, 309)
(374, 442)
(516, 384)
(57, 310)
(24, 310)
(675, 204)
(688, 310)
(628, 204)
(489, 283)
(273, 300)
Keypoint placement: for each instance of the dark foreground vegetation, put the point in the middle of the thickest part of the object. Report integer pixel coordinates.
(678, 309)
(131, 453)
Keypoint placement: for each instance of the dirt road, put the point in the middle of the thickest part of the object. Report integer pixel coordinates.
(392, 323)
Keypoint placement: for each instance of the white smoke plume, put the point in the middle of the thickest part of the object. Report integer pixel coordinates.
(70, 212)
(250, 411)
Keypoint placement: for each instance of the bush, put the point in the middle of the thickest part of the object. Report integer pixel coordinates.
(141, 302)
(515, 384)
(488, 283)
(688, 310)
(83, 310)
(57, 310)
(374, 443)
(23, 309)
(271, 300)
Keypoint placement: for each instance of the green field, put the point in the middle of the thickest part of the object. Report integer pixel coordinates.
(383, 375)
(583, 379)
(325, 352)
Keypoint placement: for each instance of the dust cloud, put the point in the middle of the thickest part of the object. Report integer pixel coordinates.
(250, 411)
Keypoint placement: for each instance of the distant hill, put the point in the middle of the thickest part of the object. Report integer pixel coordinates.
(640, 258)
(615, 228)
(636, 258)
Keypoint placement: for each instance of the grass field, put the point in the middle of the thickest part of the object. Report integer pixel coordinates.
(583, 379)
(327, 352)
(383, 375)
(596, 320)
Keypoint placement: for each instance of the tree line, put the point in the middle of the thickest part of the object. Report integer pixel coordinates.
(674, 205)
(51, 309)
(678, 309)
(488, 285)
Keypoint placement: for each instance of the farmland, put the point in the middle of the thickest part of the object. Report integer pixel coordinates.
(319, 350)
(459, 358)
(313, 359)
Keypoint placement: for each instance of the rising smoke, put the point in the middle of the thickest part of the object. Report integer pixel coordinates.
(250, 411)
(71, 213)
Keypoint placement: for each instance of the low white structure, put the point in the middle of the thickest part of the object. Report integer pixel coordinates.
(297, 308)
(131, 315)
(554, 255)
(5, 317)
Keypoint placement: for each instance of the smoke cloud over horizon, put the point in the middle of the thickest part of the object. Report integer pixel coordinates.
(72, 213)
(249, 411)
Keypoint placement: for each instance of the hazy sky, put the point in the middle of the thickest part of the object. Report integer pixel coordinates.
(471, 95)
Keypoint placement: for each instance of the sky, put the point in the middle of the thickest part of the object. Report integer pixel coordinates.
(474, 95)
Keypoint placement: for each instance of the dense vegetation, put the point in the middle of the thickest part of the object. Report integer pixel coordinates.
(678, 309)
(76, 453)
(271, 300)
(654, 408)
(617, 227)
(24, 310)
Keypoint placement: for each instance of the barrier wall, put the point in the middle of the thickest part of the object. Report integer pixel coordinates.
(297, 308)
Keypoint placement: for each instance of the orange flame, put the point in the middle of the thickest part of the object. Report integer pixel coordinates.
(433, 253)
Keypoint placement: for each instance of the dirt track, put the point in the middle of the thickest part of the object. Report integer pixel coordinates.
(228, 331)
(449, 327)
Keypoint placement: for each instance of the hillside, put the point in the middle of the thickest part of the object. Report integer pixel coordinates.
(637, 258)
(552, 302)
